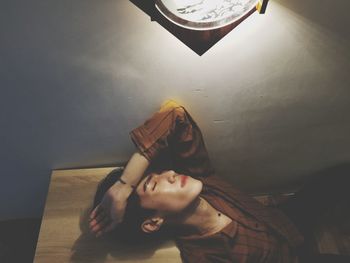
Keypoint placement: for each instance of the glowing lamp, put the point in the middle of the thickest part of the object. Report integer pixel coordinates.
(207, 14)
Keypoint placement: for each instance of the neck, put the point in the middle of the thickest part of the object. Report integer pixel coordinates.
(199, 218)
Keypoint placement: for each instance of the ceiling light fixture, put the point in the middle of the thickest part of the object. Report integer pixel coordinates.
(207, 14)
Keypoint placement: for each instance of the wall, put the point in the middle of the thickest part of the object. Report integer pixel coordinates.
(272, 97)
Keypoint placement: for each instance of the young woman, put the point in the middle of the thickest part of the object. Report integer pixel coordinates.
(215, 222)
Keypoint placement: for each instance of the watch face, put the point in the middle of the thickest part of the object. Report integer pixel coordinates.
(204, 14)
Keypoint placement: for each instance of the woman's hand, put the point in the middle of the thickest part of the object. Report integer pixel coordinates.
(110, 211)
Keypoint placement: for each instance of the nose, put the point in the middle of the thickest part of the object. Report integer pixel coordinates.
(171, 177)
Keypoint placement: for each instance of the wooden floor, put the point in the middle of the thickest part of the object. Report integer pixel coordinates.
(64, 235)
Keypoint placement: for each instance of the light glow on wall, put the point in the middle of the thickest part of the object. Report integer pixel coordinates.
(204, 14)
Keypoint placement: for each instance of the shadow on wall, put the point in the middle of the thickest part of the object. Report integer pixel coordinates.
(318, 11)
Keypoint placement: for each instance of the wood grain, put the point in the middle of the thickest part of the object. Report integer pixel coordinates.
(64, 235)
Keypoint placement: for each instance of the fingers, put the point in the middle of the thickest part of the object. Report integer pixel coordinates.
(98, 209)
(100, 225)
(97, 219)
(104, 226)
(100, 221)
(106, 215)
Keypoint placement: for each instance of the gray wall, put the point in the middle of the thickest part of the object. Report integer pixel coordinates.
(272, 97)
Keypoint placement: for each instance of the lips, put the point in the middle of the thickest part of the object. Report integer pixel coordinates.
(183, 180)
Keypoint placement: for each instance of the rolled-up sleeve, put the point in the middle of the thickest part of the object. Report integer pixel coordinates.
(153, 135)
(148, 146)
(172, 126)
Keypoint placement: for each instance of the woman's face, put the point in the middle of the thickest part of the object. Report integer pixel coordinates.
(168, 191)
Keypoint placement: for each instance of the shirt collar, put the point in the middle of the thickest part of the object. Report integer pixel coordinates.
(231, 229)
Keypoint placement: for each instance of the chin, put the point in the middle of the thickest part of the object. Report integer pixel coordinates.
(196, 189)
(198, 185)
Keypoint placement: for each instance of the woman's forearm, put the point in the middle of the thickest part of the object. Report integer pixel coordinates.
(135, 169)
(113, 205)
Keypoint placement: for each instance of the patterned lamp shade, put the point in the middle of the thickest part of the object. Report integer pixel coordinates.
(207, 14)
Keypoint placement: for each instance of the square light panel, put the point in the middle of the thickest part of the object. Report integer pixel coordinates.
(204, 14)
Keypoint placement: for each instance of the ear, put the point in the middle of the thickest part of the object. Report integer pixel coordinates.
(152, 224)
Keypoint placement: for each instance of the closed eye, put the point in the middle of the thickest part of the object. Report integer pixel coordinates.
(146, 183)
(154, 187)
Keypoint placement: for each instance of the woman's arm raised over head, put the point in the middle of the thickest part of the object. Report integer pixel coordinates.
(173, 127)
